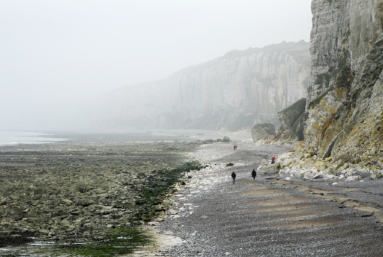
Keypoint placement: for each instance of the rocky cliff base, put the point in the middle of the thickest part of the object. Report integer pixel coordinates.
(302, 162)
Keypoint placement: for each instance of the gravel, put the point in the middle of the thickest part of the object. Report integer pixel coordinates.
(271, 216)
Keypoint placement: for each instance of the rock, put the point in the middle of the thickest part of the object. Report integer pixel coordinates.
(269, 169)
(172, 212)
(299, 147)
(67, 201)
(260, 131)
(318, 176)
(43, 231)
(288, 178)
(84, 202)
(75, 212)
(353, 178)
(308, 175)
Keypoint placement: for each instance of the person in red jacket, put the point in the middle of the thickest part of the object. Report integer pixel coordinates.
(272, 160)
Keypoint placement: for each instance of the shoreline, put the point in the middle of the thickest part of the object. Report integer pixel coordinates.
(215, 218)
(77, 189)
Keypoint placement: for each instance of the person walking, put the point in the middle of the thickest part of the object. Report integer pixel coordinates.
(272, 160)
(254, 174)
(233, 175)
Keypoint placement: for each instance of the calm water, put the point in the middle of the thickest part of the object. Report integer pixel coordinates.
(14, 138)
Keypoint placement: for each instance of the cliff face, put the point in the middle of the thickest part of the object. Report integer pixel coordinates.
(345, 94)
(237, 90)
(293, 120)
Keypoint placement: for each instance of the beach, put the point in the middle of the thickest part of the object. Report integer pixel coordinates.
(57, 197)
(90, 189)
(269, 216)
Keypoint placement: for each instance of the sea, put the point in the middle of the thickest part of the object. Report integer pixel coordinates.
(18, 137)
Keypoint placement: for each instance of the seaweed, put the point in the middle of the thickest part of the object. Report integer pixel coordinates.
(116, 241)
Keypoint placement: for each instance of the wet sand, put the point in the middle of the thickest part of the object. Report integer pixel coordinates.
(269, 216)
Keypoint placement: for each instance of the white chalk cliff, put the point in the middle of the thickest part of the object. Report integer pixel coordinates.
(345, 97)
(237, 90)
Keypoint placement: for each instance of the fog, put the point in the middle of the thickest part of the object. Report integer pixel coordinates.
(55, 56)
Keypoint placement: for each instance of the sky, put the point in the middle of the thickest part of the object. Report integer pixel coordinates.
(57, 54)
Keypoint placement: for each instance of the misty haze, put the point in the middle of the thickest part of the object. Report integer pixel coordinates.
(191, 128)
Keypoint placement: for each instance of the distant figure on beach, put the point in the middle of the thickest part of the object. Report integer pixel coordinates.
(235, 147)
(233, 175)
(272, 160)
(254, 174)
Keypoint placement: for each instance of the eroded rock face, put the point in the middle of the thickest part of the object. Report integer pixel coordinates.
(288, 116)
(260, 131)
(345, 96)
(237, 90)
(293, 120)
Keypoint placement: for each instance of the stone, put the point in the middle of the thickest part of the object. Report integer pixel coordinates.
(318, 176)
(67, 201)
(269, 169)
(43, 231)
(260, 131)
(172, 212)
(299, 147)
(353, 178)
(308, 175)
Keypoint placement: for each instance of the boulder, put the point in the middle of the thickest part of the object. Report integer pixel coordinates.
(260, 131)
(353, 178)
(299, 147)
(308, 175)
(376, 175)
(269, 169)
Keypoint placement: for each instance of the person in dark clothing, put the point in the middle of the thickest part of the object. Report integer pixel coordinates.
(254, 174)
(233, 175)
(272, 160)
